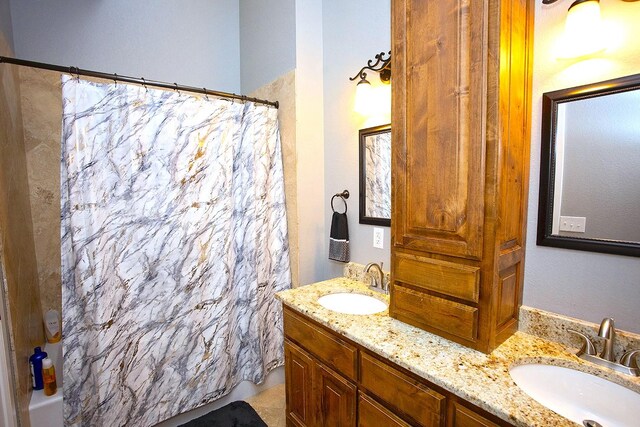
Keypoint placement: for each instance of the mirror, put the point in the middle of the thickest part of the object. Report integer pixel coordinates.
(375, 175)
(590, 168)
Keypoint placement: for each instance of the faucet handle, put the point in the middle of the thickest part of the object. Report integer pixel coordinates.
(629, 359)
(587, 345)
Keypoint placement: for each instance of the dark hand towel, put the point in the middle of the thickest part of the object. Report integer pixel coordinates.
(339, 238)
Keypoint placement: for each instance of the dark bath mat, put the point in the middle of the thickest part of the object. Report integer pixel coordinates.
(235, 414)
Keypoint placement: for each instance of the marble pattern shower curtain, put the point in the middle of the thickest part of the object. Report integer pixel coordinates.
(174, 242)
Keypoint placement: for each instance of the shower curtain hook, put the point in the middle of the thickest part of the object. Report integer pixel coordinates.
(205, 93)
(115, 79)
(144, 84)
(71, 67)
(176, 89)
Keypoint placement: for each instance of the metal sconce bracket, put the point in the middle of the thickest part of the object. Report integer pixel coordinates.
(382, 66)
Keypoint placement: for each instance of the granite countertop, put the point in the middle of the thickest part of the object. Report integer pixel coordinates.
(482, 379)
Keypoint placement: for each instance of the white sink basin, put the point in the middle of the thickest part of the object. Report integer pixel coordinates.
(350, 303)
(579, 396)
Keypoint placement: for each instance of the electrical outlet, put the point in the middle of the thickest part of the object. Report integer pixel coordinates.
(378, 238)
(575, 224)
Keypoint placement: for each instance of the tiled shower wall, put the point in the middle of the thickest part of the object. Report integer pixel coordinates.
(41, 100)
(17, 253)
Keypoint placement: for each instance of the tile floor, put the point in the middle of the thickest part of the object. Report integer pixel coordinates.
(270, 405)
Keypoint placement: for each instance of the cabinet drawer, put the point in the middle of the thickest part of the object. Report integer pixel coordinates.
(458, 319)
(324, 345)
(401, 392)
(457, 280)
(372, 414)
(465, 417)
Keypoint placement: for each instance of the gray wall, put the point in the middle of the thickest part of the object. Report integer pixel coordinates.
(192, 42)
(267, 41)
(354, 31)
(602, 165)
(585, 285)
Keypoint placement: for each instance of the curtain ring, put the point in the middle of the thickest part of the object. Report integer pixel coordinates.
(343, 201)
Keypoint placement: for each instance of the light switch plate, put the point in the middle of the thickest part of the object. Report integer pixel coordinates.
(378, 238)
(575, 224)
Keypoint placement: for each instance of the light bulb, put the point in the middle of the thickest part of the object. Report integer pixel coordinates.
(583, 30)
(365, 98)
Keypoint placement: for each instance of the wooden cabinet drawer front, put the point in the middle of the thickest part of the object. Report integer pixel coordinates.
(372, 414)
(457, 319)
(465, 417)
(327, 347)
(408, 396)
(457, 280)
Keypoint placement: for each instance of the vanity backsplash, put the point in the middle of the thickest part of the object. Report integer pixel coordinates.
(554, 327)
(355, 271)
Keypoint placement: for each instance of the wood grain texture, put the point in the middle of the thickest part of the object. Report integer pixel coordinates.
(372, 414)
(397, 395)
(463, 417)
(299, 396)
(407, 396)
(454, 279)
(324, 345)
(461, 112)
(436, 314)
(438, 157)
(462, 414)
(335, 399)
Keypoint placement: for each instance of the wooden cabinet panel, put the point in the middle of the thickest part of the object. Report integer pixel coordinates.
(401, 392)
(461, 416)
(453, 279)
(327, 347)
(372, 414)
(336, 399)
(383, 395)
(461, 100)
(434, 313)
(438, 134)
(299, 369)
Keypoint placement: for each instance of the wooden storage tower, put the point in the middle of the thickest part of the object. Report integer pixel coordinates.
(460, 167)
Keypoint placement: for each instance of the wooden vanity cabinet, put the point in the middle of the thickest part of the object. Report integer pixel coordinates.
(460, 165)
(323, 387)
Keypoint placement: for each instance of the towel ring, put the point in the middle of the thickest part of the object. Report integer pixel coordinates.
(343, 196)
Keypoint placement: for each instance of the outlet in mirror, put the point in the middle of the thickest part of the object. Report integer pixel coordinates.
(590, 168)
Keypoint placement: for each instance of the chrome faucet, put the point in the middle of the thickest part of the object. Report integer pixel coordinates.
(608, 332)
(375, 284)
(627, 364)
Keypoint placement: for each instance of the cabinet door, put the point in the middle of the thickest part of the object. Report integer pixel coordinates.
(299, 386)
(439, 104)
(335, 398)
(461, 416)
(372, 414)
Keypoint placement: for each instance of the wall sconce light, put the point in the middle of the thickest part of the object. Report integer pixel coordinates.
(583, 33)
(367, 99)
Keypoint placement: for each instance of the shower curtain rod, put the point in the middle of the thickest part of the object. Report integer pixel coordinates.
(141, 81)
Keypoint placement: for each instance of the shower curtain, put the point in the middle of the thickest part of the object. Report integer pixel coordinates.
(174, 242)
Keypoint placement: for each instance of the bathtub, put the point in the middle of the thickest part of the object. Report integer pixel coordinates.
(46, 411)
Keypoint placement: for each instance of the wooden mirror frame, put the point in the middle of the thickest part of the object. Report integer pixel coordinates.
(550, 103)
(363, 133)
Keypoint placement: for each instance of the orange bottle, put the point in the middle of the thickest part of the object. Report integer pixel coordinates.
(49, 377)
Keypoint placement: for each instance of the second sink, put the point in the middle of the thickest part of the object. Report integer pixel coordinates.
(352, 303)
(581, 397)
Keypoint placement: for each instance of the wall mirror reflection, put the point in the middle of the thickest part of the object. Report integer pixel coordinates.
(375, 175)
(590, 168)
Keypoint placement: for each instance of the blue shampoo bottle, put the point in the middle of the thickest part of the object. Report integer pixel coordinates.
(36, 368)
